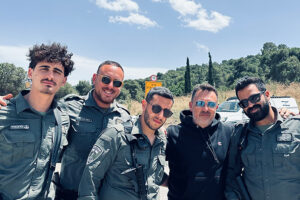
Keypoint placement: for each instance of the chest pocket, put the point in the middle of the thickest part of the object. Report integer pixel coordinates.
(83, 135)
(286, 151)
(17, 142)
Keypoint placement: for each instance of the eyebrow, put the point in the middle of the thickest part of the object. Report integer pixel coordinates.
(55, 68)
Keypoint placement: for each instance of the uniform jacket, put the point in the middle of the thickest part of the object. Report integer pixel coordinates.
(87, 122)
(194, 172)
(107, 175)
(26, 143)
(271, 161)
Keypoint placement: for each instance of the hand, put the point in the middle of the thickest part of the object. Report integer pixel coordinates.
(3, 98)
(285, 113)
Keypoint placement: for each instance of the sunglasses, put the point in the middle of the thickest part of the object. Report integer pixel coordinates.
(106, 80)
(157, 109)
(210, 104)
(253, 99)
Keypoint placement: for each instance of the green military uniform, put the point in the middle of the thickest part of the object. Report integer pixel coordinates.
(26, 143)
(87, 122)
(271, 161)
(110, 161)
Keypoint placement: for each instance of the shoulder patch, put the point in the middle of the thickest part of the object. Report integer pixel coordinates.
(71, 97)
(94, 154)
(122, 107)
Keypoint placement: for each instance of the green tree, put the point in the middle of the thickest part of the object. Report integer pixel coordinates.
(83, 87)
(12, 79)
(65, 90)
(134, 89)
(187, 77)
(210, 71)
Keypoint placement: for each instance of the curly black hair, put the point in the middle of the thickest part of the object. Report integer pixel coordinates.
(53, 53)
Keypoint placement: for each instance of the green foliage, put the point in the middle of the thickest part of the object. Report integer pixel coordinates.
(83, 87)
(187, 77)
(12, 79)
(134, 88)
(65, 90)
(210, 78)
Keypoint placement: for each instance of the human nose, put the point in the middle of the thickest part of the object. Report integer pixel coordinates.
(50, 75)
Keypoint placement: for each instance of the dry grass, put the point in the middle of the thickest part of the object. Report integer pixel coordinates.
(181, 103)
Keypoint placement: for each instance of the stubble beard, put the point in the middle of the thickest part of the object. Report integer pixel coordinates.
(263, 111)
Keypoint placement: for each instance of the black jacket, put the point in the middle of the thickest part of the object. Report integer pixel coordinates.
(197, 158)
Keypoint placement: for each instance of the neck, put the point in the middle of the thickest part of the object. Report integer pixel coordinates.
(269, 119)
(147, 131)
(100, 103)
(39, 102)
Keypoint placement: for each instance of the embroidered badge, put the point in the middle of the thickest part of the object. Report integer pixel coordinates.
(285, 137)
(219, 143)
(95, 152)
(19, 127)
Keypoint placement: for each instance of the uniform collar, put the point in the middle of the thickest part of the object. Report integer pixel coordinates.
(22, 104)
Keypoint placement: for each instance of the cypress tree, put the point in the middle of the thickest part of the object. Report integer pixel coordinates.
(187, 77)
(210, 71)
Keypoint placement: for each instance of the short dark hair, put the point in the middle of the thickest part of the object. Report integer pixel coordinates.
(203, 86)
(161, 91)
(53, 53)
(247, 80)
(110, 62)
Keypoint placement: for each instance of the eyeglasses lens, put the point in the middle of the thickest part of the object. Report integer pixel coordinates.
(157, 109)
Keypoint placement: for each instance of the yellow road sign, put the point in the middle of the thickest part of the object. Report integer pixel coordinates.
(151, 84)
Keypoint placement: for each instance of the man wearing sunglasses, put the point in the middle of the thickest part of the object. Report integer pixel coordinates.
(89, 115)
(267, 148)
(129, 165)
(33, 127)
(197, 148)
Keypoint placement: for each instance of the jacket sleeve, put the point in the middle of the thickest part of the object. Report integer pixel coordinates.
(99, 161)
(231, 188)
(177, 180)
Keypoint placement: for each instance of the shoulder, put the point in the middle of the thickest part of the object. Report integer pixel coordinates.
(112, 133)
(292, 122)
(173, 131)
(73, 98)
(9, 110)
(122, 109)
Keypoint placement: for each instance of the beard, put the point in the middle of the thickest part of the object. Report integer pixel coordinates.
(147, 121)
(263, 111)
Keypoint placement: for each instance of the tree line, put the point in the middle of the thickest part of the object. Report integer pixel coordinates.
(277, 63)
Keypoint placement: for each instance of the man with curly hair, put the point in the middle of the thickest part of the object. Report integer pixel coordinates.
(33, 127)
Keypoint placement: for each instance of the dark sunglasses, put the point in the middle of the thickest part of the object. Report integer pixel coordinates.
(253, 99)
(210, 104)
(106, 80)
(157, 109)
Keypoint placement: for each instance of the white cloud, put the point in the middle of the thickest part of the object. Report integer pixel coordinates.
(213, 23)
(185, 7)
(133, 18)
(84, 66)
(118, 5)
(201, 47)
(194, 16)
(15, 55)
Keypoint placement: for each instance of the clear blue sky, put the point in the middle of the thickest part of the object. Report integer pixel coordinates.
(146, 36)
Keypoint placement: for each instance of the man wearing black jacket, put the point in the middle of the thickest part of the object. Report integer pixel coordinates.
(197, 149)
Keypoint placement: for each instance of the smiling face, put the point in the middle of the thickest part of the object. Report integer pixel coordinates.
(104, 94)
(259, 110)
(203, 116)
(47, 77)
